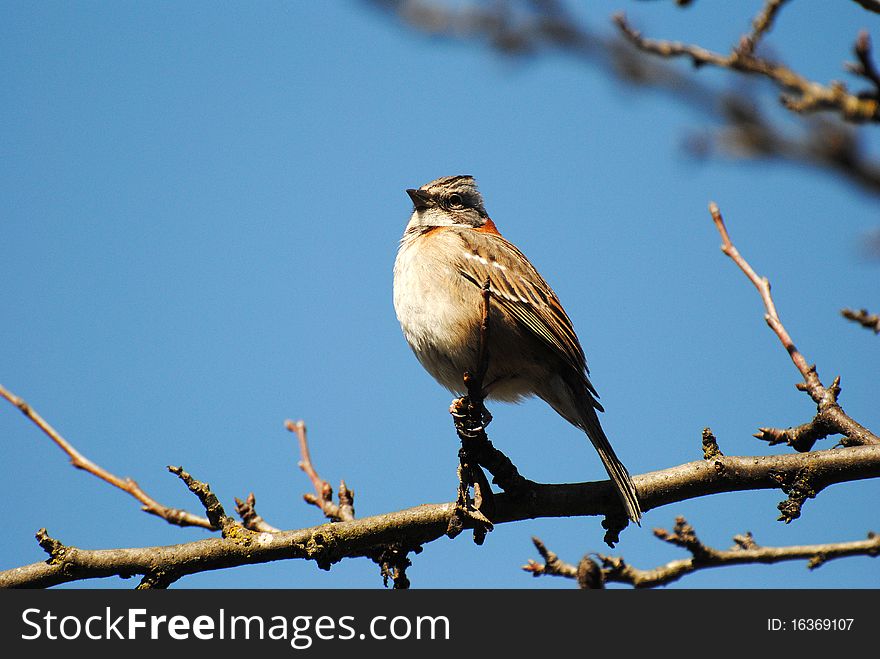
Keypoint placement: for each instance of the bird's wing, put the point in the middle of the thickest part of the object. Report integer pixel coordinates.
(521, 291)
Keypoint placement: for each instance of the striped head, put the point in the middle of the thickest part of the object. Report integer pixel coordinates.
(449, 201)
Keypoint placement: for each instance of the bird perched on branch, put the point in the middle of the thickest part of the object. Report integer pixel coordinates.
(449, 249)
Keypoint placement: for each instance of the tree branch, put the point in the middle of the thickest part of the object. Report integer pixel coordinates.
(832, 418)
(865, 67)
(387, 539)
(330, 543)
(515, 30)
(744, 551)
(867, 320)
(760, 26)
(214, 509)
(809, 96)
(78, 460)
(250, 518)
(392, 558)
(323, 497)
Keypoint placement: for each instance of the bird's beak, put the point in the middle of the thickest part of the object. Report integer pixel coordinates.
(420, 198)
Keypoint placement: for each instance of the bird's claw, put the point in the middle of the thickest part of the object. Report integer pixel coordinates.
(458, 408)
(472, 417)
(468, 512)
(485, 415)
(466, 516)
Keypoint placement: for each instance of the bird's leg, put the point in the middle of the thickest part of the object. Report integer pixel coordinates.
(473, 512)
(470, 417)
(469, 512)
(457, 410)
(487, 416)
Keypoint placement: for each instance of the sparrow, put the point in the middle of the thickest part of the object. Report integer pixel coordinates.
(448, 252)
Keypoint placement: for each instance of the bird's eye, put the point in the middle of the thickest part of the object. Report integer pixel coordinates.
(455, 201)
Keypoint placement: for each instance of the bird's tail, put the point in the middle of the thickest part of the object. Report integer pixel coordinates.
(626, 490)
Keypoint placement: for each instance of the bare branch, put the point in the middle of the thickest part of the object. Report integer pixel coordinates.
(833, 416)
(214, 509)
(78, 460)
(387, 539)
(808, 96)
(863, 318)
(393, 557)
(829, 143)
(760, 26)
(800, 438)
(744, 551)
(247, 511)
(552, 564)
(323, 497)
(698, 55)
(865, 66)
(804, 436)
(330, 543)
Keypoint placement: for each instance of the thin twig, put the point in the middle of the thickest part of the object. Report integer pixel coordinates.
(552, 565)
(760, 26)
(800, 438)
(825, 398)
(744, 551)
(323, 496)
(391, 557)
(809, 96)
(865, 67)
(867, 320)
(78, 460)
(214, 509)
(517, 29)
(250, 518)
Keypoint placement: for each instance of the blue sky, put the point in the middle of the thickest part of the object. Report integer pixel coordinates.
(199, 212)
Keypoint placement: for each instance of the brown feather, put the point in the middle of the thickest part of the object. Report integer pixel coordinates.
(526, 296)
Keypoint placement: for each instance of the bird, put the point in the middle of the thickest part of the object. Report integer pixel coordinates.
(449, 251)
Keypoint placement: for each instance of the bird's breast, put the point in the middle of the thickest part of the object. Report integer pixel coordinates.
(439, 311)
